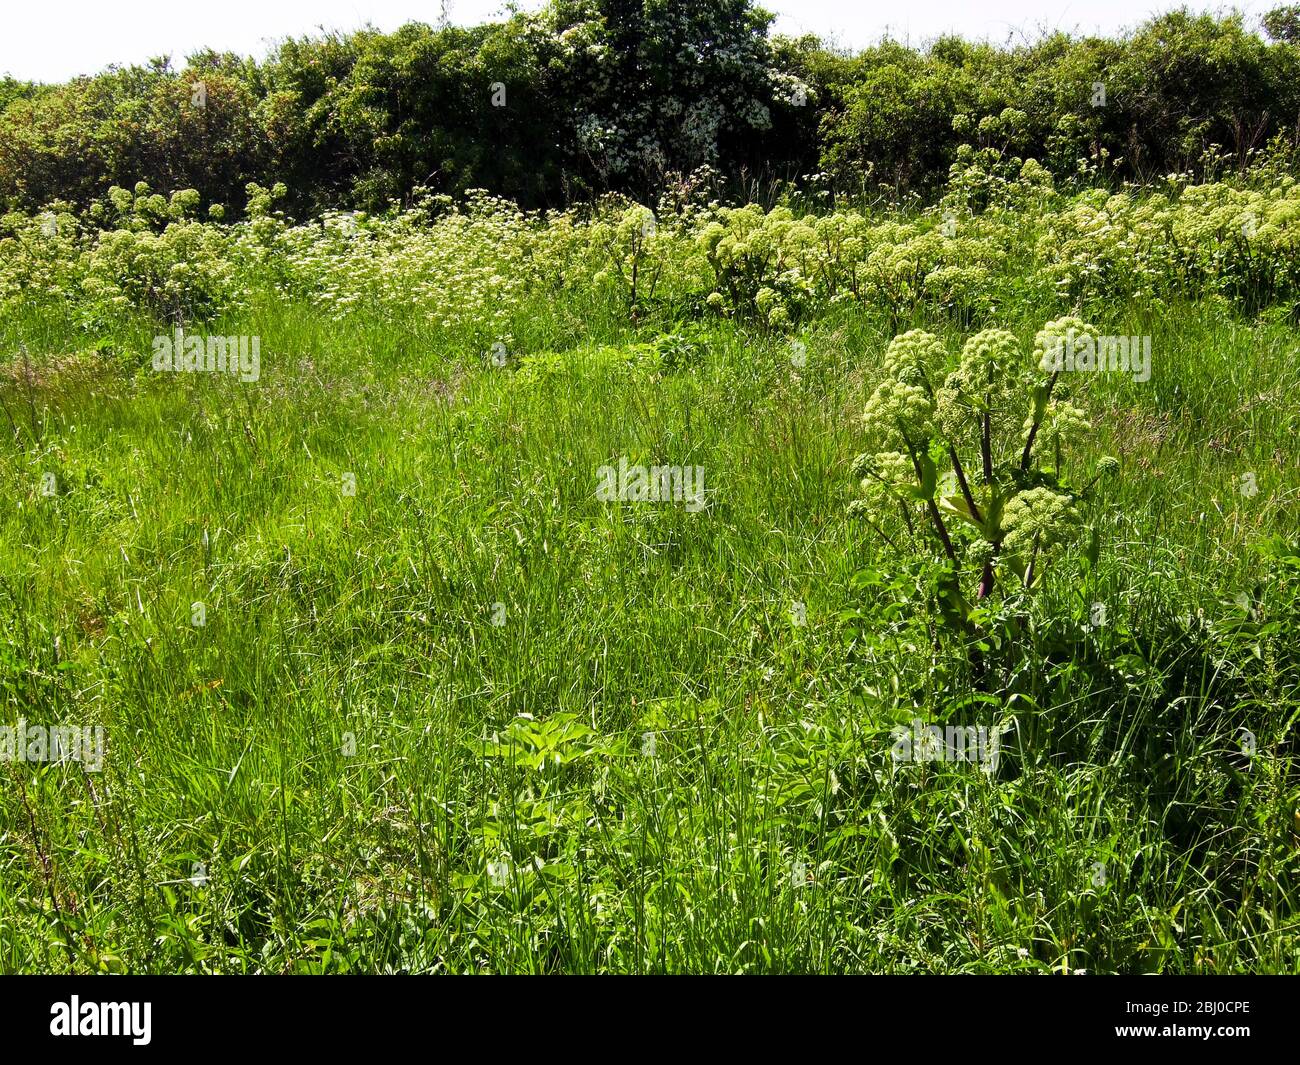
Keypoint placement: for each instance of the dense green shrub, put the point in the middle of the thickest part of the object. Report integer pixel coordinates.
(195, 130)
(593, 96)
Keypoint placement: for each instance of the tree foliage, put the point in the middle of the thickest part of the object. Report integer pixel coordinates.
(593, 96)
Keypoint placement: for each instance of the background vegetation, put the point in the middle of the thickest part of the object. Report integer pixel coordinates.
(602, 95)
(467, 717)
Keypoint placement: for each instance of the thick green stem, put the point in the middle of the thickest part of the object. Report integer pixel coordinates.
(962, 482)
(935, 517)
(1033, 429)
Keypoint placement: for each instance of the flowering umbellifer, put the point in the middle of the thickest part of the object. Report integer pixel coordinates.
(979, 447)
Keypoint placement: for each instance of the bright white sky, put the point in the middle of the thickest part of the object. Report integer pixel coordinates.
(52, 40)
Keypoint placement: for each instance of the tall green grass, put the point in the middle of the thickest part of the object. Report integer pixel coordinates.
(672, 753)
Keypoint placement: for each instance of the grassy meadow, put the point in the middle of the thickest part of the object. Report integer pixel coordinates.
(386, 687)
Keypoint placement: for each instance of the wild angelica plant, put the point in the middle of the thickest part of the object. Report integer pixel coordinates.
(1006, 507)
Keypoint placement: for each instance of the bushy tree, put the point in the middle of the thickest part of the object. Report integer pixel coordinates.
(894, 125)
(1283, 23)
(195, 131)
(590, 96)
(654, 86)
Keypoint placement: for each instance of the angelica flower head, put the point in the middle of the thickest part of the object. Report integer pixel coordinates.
(913, 353)
(1062, 337)
(1062, 423)
(1038, 517)
(988, 380)
(884, 469)
(979, 553)
(899, 413)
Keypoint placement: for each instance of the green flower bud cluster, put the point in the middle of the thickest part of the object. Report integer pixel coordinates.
(1039, 519)
(897, 413)
(989, 380)
(959, 447)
